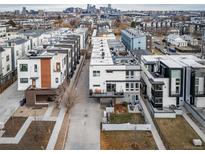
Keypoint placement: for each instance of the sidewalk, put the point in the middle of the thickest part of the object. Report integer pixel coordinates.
(154, 131)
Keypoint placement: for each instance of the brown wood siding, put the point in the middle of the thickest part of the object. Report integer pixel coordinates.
(45, 73)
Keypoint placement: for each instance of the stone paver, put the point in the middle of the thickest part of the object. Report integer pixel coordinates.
(155, 133)
(85, 117)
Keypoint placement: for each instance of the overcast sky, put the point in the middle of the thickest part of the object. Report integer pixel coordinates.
(50, 7)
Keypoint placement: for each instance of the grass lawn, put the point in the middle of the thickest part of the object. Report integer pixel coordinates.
(133, 118)
(127, 140)
(35, 138)
(13, 125)
(177, 134)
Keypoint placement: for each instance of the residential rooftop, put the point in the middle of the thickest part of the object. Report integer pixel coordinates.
(175, 61)
(132, 33)
(102, 55)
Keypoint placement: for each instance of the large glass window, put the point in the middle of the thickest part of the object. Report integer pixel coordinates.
(175, 82)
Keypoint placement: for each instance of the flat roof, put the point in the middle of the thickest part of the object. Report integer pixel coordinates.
(102, 55)
(175, 61)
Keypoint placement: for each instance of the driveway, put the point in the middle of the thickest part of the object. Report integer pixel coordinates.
(85, 118)
(9, 102)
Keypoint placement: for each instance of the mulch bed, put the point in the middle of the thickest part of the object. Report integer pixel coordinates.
(120, 108)
(13, 125)
(35, 138)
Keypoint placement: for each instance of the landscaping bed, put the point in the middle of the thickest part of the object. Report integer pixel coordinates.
(120, 108)
(127, 140)
(177, 134)
(35, 138)
(13, 125)
(133, 118)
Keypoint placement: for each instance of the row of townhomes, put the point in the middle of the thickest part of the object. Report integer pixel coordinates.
(167, 82)
(46, 67)
(40, 60)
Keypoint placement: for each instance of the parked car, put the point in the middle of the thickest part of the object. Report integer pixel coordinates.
(22, 102)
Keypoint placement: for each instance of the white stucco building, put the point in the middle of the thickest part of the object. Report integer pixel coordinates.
(41, 70)
(112, 75)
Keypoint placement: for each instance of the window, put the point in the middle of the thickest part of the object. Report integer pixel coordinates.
(131, 86)
(23, 67)
(96, 85)
(132, 74)
(127, 74)
(57, 80)
(7, 58)
(136, 86)
(35, 68)
(8, 67)
(109, 71)
(58, 67)
(127, 86)
(96, 73)
(23, 80)
(17, 53)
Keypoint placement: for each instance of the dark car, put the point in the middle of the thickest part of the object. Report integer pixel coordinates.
(23, 101)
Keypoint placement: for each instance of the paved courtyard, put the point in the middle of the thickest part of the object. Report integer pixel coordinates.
(9, 102)
(85, 117)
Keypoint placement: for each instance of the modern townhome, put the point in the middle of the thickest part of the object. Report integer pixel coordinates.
(83, 33)
(173, 80)
(19, 47)
(63, 38)
(40, 73)
(134, 39)
(113, 74)
(65, 50)
(35, 37)
(5, 67)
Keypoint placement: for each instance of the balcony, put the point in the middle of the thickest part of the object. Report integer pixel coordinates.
(106, 94)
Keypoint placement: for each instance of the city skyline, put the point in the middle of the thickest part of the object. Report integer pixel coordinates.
(123, 7)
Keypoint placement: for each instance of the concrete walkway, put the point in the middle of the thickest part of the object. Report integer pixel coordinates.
(56, 130)
(49, 110)
(193, 125)
(154, 131)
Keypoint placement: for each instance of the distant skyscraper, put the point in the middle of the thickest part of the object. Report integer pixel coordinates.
(24, 11)
(109, 6)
